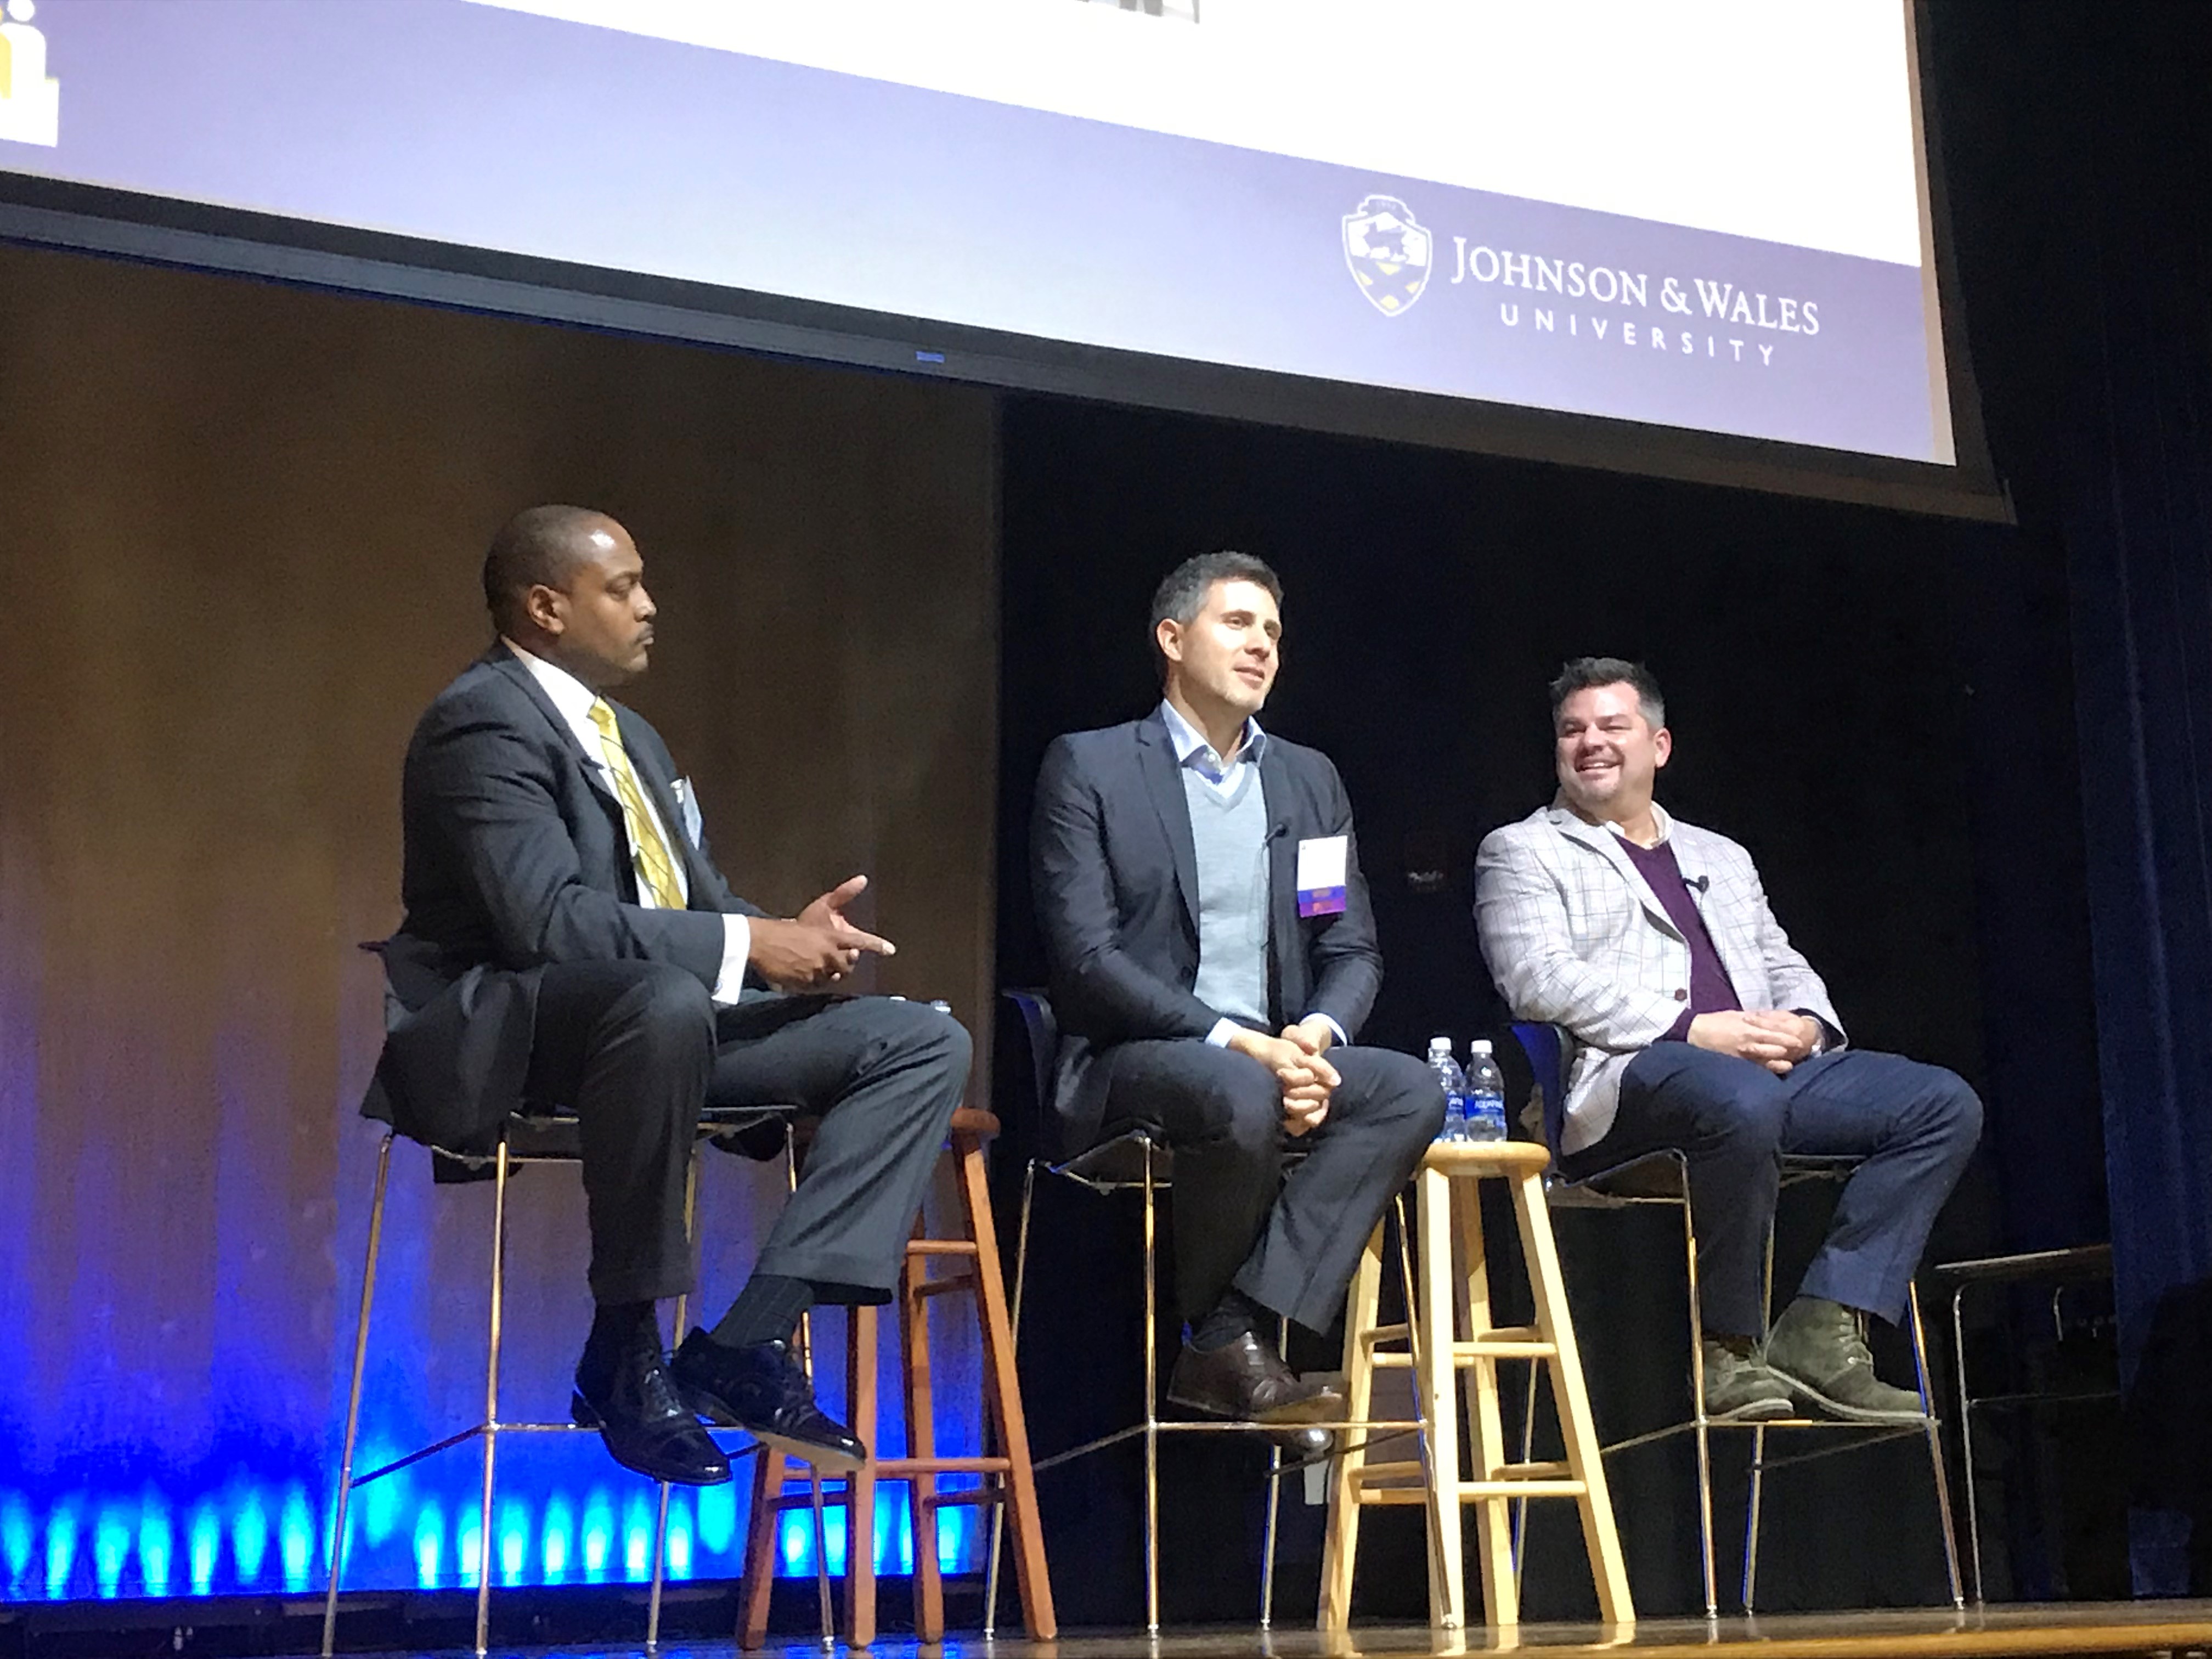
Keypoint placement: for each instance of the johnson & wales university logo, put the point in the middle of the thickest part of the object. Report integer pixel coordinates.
(1388, 253)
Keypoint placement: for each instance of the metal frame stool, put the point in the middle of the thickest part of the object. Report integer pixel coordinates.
(1013, 1493)
(1453, 1269)
(1664, 1178)
(1134, 1162)
(524, 1139)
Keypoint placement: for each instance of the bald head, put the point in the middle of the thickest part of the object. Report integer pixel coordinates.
(566, 584)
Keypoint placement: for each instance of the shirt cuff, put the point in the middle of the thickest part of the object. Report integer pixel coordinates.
(1830, 1037)
(1223, 1030)
(737, 949)
(1335, 1030)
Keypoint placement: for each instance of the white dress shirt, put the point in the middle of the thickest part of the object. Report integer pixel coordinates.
(573, 700)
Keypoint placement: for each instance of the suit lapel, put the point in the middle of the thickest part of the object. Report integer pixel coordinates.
(1164, 782)
(1606, 845)
(506, 662)
(1747, 972)
(1285, 940)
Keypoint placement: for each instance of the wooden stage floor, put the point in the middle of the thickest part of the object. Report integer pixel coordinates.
(2176, 1628)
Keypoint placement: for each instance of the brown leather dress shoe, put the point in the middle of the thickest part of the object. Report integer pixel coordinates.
(1247, 1381)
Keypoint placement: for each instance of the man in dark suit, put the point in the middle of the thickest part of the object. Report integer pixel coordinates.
(569, 943)
(1212, 956)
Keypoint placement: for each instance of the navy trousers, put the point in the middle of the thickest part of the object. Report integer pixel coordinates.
(1914, 1125)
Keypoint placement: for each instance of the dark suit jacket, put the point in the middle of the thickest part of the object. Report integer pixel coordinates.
(515, 857)
(1114, 871)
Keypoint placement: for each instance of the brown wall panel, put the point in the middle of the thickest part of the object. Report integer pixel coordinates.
(239, 533)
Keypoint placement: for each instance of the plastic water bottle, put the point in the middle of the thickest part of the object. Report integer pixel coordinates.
(1455, 1085)
(1486, 1094)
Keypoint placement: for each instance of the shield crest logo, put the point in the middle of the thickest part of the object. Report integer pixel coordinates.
(1388, 253)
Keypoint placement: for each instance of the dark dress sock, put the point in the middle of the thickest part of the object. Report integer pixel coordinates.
(618, 1328)
(1234, 1316)
(768, 1309)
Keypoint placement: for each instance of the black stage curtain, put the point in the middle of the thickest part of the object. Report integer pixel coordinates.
(2137, 522)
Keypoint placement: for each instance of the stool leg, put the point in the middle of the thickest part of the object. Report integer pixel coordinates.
(1936, 1453)
(1274, 1501)
(1002, 1397)
(1151, 1407)
(352, 1393)
(1700, 1423)
(1340, 1542)
(491, 1392)
(761, 1525)
(1439, 1391)
(860, 1484)
(1758, 1473)
(1013, 1345)
(1493, 1530)
(921, 1399)
(660, 1518)
(1577, 1427)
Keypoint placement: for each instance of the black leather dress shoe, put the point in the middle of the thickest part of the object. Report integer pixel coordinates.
(1247, 1381)
(646, 1424)
(761, 1389)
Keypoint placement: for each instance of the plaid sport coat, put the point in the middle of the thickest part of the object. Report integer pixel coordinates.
(1574, 935)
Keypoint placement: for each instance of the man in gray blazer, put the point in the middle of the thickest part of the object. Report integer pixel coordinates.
(1692, 1023)
(569, 943)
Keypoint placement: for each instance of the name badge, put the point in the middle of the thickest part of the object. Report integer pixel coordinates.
(1322, 861)
(687, 803)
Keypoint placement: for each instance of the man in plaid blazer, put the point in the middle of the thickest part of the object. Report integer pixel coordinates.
(1693, 1024)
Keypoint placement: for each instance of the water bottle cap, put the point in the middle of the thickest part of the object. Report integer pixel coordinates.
(1480, 1045)
(1439, 1045)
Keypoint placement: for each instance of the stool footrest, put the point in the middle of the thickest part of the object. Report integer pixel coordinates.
(1385, 1333)
(940, 1247)
(897, 1468)
(1473, 1489)
(1506, 1342)
(1399, 1469)
(949, 1283)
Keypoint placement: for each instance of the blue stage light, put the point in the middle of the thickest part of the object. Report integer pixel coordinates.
(679, 1540)
(513, 1539)
(553, 1545)
(297, 1538)
(468, 1535)
(717, 1517)
(429, 1547)
(249, 1540)
(61, 1549)
(111, 1548)
(204, 1546)
(156, 1543)
(637, 1539)
(17, 1539)
(382, 1503)
(598, 1534)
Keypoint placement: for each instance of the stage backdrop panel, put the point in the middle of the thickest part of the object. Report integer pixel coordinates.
(241, 525)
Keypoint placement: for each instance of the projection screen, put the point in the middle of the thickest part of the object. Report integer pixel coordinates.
(1692, 237)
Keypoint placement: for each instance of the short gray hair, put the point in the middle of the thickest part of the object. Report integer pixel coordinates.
(1585, 673)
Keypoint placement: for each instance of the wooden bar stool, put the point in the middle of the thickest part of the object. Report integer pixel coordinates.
(1015, 1486)
(1449, 1214)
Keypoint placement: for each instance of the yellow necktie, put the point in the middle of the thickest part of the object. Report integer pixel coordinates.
(656, 871)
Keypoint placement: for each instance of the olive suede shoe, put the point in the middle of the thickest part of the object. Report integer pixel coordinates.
(1819, 1349)
(1739, 1389)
